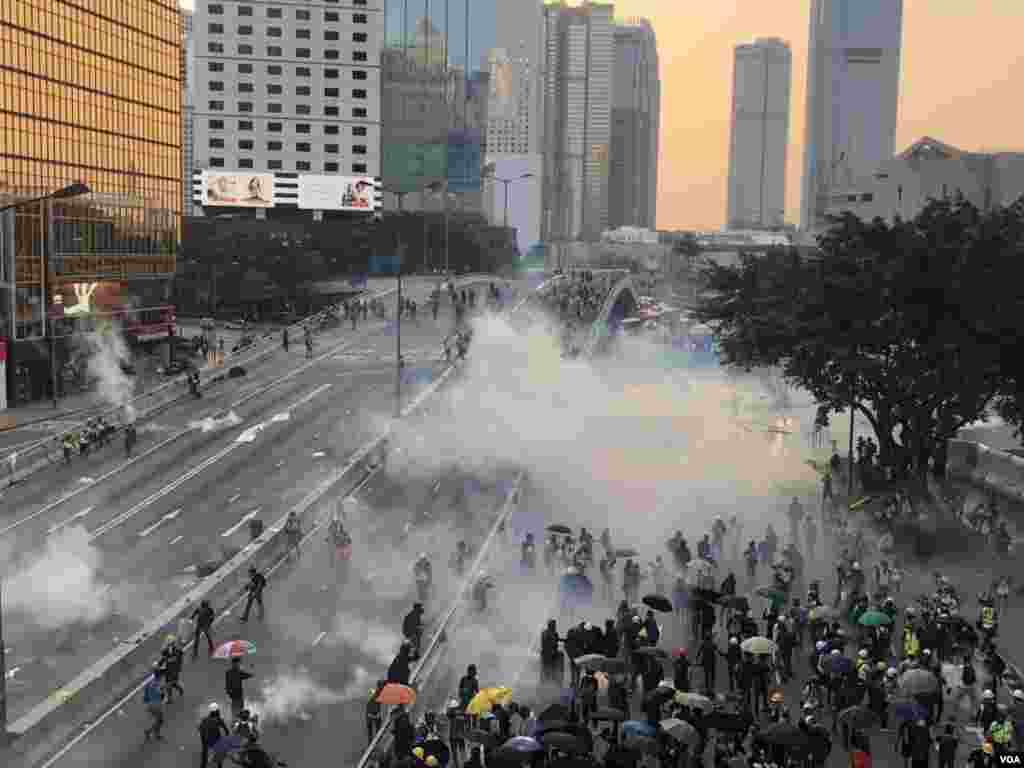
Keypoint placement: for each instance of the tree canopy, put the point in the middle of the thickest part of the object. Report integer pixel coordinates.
(918, 323)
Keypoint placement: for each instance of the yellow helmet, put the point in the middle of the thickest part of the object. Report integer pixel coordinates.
(418, 753)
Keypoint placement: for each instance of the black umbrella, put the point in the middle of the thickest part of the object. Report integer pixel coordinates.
(658, 603)
(559, 528)
(614, 666)
(658, 696)
(727, 722)
(643, 744)
(547, 726)
(784, 735)
(858, 717)
(608, 713)
(564, 742)
(651, 650)
(555, 712)
(626, 552)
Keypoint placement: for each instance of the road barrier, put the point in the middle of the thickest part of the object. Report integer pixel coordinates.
(26, 460)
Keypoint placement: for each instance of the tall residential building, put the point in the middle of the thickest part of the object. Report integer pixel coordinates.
(188, 63)
(287, 102)
(510, 113)
(762, 73)
(93, 99)
(520, 35)
(853, 74)
(577, 81)
(636, 120)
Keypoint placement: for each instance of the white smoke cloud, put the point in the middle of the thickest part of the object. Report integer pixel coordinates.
(291, 695)
(212, 423)
(107, 351)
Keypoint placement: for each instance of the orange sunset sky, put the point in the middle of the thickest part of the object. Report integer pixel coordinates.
(962, 82)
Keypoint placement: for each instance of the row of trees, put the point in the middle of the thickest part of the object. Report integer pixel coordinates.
(919, 325)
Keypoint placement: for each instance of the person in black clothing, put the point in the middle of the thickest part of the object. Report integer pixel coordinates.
(233, 680)
(610, 640)
(552, 665)
(469, 686)
(374, 713)
(130, 436)
(400, 671)
(203, 617)
(733, 663)
(211, 729)
(948, 743)
(404, 732)
(412, 628)
(681, 672)
(707, 658)
(257, 583)
(172, 659)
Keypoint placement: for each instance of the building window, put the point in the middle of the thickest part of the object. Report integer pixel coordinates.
(215, 29)
(274, 146)
(245, 29)
(245, 125)
(331, 54)
(331, 167)
(275, 70)
(216, 143)
(330, 149)
(303, 128)
(216, 162)
(331, 35)
(359, 37)
(358, 93)
(331, 130)
(274, 127)
(358, 167)
(215, 9)
(302, 53)
(332, 16)
(216, 125)
(215, 85)
(245, 106)
(331, 74)
(215, 66)
(274, 89)
(303, 90)
(215, 47)
(358, 111)
(245, 162)
(358, 18)
(274, 165)
(332, 93)
(358, 149)
(216, 106)
(359, 74)
(274, 32)
(245, 69)
(303, 72)
(274, 109)
(244, 49)
(245, 10)
(303, 165)
(273, 50)
(303, 109)
(273, 13)
(358, 130)
(302, 16)
(332, 112)
(358, 2)
(246, 87)
(359, 56)
(303, 34)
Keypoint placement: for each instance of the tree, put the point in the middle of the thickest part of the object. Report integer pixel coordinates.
(904, 322)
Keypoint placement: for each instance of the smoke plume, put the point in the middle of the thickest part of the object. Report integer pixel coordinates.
(107, 351)
(291, 696)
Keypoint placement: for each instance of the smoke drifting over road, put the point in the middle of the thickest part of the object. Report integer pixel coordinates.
(107, 352)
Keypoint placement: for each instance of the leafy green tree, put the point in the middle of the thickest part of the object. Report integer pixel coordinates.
(910, 323)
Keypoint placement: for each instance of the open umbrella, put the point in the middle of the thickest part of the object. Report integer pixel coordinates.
(608, 713)
(874, 619)
(555, 712)
(547, 726)
(234, 649)
(858, 717)
(638, 728)
(522, 745)
(784, 735)
(559, 528)
(591, 660)
(393, 694)
(759, 646)
(915, 682)
(658, 603)
(614, 666)
(770, 593)
(626, 552)
(838, 665)
(651, 650)
(485, 700)
(681, 731)
(227, 744)
(694, 701)
(727, 722)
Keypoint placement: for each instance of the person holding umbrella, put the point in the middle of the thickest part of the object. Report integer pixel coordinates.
(212, 729)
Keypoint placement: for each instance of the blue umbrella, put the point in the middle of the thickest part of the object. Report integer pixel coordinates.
(576, 591)
(227, 744)
(522, 744)
(909, 710)
(839, 665)
(639, 728)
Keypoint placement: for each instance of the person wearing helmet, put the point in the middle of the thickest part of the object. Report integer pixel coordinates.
(212, 729)
(734, 663)
(988, 712)
(423, 572)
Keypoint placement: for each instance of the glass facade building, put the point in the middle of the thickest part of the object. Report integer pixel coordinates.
(435, 68)
(89, 93)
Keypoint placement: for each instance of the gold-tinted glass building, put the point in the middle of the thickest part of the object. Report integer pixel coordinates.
(90, 92)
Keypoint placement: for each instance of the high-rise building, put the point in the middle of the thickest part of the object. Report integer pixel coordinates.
(853, 73)
(91, 98)
(636, 120)
(577, 82)
(188, 63)
(510, 113)
(762, 73)
(520, 30)
(287, 104)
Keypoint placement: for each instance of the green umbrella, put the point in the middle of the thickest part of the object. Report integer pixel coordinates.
(771, 593)
(874, 619)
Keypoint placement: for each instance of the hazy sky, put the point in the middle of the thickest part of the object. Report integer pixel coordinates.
(962, 82)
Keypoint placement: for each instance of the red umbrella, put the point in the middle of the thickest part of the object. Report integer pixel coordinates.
(234, 649)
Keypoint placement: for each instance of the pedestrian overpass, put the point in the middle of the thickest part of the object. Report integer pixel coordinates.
(620, 303)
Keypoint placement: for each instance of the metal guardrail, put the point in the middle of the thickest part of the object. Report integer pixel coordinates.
(48, 450)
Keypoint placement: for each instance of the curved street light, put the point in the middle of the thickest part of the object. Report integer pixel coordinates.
(488, 175)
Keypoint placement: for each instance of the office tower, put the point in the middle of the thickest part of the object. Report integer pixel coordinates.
(510, 109)
(94, 100)
(636, 115)
(853, 72)
(577, 82)
(187, 112)
(287, 88)
(762, 74)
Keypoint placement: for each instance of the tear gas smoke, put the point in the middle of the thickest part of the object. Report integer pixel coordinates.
(107, 351)
(59, 586)
(377, 641)
(211, 423)
(291, 696)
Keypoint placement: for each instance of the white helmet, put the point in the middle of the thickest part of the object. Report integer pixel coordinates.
(821, 645)
(1018, 695)
(891, 672)
(215, 707)
(423, 556)
(863, 653)
(988, 695)
(835, 652)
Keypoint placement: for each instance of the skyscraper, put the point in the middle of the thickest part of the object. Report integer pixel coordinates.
(577, 82)
(188, 63)
(853, 73)
(636, 117)
(760, 134)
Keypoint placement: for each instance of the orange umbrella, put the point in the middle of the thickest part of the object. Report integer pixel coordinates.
(394, 693)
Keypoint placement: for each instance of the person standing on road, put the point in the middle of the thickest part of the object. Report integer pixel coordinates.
(172, 660)
(233, 680)
(130, 436)
(284, 339)
(257, 583)
(203, 617)
(212, 729)
(68, 444)
(293, 531)
(153, 699)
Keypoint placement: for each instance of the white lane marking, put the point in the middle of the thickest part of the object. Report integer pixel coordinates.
(319, 639)
(60, 526)
(277, 417)
(86, 480)
(318, 454)
(175, 540)
(234, 498)
(165, 519)
(245, 519)
(249, 435)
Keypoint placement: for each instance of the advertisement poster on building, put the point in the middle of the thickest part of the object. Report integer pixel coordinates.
(336, 193)
(238, 190)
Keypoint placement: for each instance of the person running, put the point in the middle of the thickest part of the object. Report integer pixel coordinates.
(234, 679)
(254, 589)
(153, 700)
(212, 729)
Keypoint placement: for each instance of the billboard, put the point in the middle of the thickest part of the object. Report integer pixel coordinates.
(237, 190)
(336, 193)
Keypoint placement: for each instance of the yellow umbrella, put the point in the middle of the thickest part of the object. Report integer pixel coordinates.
(487, 698)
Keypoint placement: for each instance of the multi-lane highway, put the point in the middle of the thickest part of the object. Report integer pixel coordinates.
(144, 528)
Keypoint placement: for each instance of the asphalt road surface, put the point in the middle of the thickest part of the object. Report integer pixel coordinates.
(154, 520)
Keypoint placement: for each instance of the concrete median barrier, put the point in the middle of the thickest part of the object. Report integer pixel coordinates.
(997, 471)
